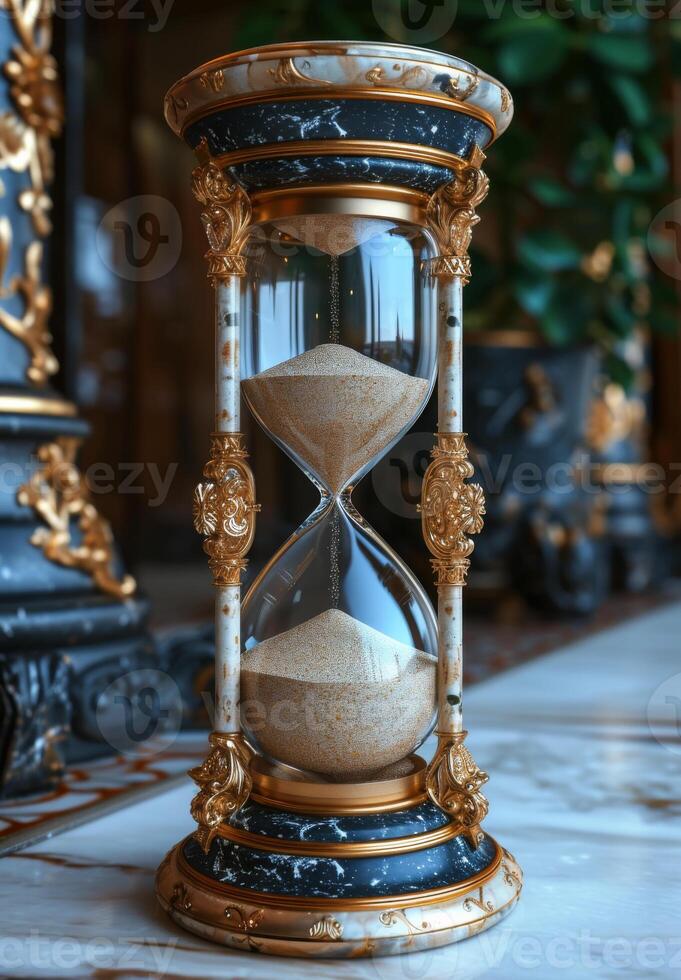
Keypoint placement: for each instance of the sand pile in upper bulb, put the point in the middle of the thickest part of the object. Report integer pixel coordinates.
(333, 235)
(335, 408)
(337, 697)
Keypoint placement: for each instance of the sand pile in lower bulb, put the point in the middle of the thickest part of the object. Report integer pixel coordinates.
(335, 696)
(335, 408)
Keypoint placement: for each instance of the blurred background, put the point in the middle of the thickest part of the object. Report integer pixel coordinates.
(572, 360)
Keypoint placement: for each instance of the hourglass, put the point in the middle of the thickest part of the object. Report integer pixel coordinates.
(338, 184)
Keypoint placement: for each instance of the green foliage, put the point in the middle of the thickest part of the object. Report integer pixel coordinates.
(580, 174)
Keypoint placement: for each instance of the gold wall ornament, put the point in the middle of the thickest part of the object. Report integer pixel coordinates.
(25, 135)
(226, 219)
(31, 327)
(58, 494)
(224, 783)
(327, 928)
(450, 508)
(453, 783)
(225, 508)
(452, 217)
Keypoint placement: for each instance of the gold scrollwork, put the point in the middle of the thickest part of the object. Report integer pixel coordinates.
(180, 898)
(327, 928)
(462, 87)
(225, 508)
(226, 218)
(25, 147)
(213, 80)
(224, 783)
(287, 72)
(452, 217)
(57, 492)
(393, 917)
(246, 923)
(453, 783)
(450, 508)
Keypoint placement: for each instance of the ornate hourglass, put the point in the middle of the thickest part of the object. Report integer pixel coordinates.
(338, 185)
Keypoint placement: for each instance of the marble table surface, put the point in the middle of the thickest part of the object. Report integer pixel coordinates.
(584, 752)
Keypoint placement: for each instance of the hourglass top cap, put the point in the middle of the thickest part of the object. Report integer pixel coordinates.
(430, 99)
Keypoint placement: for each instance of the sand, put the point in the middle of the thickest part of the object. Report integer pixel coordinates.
(335, 696)
(333, 234)
(334, 408)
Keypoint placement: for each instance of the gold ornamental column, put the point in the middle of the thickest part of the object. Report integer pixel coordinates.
(451, 508)
(224, 503)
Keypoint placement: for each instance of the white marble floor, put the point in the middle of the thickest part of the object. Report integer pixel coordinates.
(584, 752)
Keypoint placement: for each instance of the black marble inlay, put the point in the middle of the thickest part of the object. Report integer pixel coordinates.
(324, 119)
(323, 877)
(294, 171)
(258, 819)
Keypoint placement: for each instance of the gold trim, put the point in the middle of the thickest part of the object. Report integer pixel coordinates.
(338, 799)
(225, 508)
(452, 217)
(224, 784)
(343, 147)
(332, 92)
(226, 218)
(30, 405)
(453, 783)
(366, 200)
(331, 849)
(322, 905)
(450, 508)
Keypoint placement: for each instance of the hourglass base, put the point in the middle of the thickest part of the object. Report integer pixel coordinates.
(294, 884)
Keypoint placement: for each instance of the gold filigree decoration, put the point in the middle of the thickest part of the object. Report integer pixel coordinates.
(226, 219)
(505, 100)
(31, 327)
(407, 76)
(25, 146)
(58, 494)
(180, 898)
(327, 928)
(453, 782)
(485, 905)
(32, 70)
(287, 72)
(225, 508)
(450, 508)
(213, 80)
(451, 217)
(224, 783)
(462, 87)
(394, 916)
(245, 922)
(508, 865)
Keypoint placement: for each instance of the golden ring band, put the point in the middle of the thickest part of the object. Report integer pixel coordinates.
(30, 405)
(333, 849)
(316, 904)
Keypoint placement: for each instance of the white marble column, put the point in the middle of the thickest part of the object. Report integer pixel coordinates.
(450, 597)
(227, 419)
